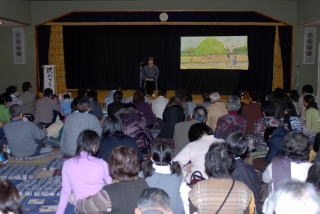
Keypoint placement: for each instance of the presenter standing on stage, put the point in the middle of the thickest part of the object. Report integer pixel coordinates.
(150, 75)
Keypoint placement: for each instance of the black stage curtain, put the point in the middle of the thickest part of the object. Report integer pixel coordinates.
(98, 57)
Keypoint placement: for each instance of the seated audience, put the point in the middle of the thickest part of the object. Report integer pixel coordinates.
(291, 119)
(45, 108)
(180, 137)
(261, 125)
(5, 102)
(192, 155)
(160, 172)
(294, 197)
(117, 103)
(280, 99)
(77, 122)
(135, 126)
(294, 164)
(232, 121)
(313, 176)
(312, 113)
(237, 145)
(28, 98)
(113, 136)
(173, 114)
(143, 107)
(126, 187)
(294, 97)
(154, 201)
(83, 175)
(10, 200)
(143, 91)
(252, 111)
(216, 110)
(81, 93)
(65, 105)
(189, 105)
(96, 108)
(306, 90)
(274, 137)
(109, 98)
(206, 100)
(13, 92)
(220, 193)
(160, 103)
(24, 137)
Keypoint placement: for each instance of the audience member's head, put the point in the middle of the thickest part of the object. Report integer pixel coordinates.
(12, 89)
(66, 96)
(82, 92)
(5, 99)
(255, 96)
(200, 114)
(198, 130)
(309, 102)
(233, 103)
(290, 109)
(307, 89)
(16, 112)
(237, 144)
(206, 97)
(88, 141)
(161, 155)
(215, 97)
(84, 104)
(48, 92)
(296, 147)
(92, 94)
(112, 127)
(268, 133)
(154, 201)
(117, 96)
(294, 95)
(174, 101)
(268, 109)
(218, 163)
(123, 164)
(314, 175)
(10, 201)
(188, 97)
(181, 93)
(294, 197)
(138, 97)
(162, 92)
(26, 86)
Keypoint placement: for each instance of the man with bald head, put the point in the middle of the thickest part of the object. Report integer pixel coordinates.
(215, 110)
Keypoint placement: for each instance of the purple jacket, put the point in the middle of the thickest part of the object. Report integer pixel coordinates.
(145, 108)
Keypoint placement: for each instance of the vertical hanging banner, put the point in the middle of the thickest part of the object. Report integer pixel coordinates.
(49, 77)
(18, 46)
(309, 45)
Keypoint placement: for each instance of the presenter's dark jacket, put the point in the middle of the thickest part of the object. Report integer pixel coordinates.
(150, 72)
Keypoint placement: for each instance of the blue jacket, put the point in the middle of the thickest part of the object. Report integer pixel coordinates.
(275, 143)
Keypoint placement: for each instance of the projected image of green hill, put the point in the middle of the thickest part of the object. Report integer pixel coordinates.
(210, 46)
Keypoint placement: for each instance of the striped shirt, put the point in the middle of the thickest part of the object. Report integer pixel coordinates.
(44, 110)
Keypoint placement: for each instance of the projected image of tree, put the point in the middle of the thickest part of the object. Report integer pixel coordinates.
(220, 52)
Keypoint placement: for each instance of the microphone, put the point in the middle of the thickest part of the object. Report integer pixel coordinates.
(141, 63)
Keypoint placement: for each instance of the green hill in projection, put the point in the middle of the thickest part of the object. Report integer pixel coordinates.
(210, 46)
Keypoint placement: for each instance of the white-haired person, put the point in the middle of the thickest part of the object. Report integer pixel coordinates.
(216, 110)
(294, 197)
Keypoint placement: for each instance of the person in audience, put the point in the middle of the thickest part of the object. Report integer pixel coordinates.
(190, 105)
(313, 176)
(312, 113)
(173, 114)
(159, 104)
(126, 187)
(180, 137)
(5, 102)
(206, 100)
(110, 97)
(291, 119)
(237, 145)
(117, 103)
(154, 201)
(10, 200)
(261, 125)
(294, 197)
(232, 121)
(24, 137)
(146, 99)
(216, 110)
(143, 107)
(81, 93)
(77, 122)
(191, 157)
(45, 108)
(135, 126)
(306, 90)
(252, 111)
(274, 137)
(83, 175)
(96, 108)
(294, 97)
(294, 164)
(13, 92)
(28, 98)
(113, 136)
(161, 172)
(279, 99)
(220, 193)
(65, 105)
